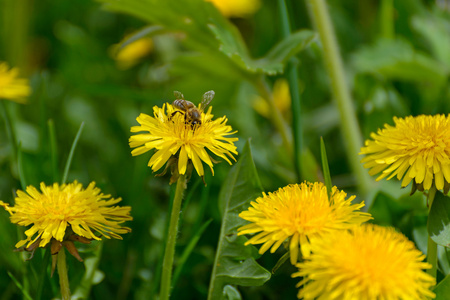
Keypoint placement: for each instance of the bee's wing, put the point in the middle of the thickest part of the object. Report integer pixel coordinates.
(206, 99)
(178, 95)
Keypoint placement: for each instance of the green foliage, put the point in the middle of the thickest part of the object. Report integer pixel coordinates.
(442, 290)
(396, 60)
(439, 220)
(235, 263)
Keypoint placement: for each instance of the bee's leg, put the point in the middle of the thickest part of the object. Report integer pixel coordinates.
(174, 113)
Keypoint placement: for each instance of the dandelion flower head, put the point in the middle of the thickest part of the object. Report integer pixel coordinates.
(175, 139)
(299, 212)
(57, 210)
(12, 87)
(281, 97)
(416, 148)
(236, 8)
(132, 53)
(367, 262)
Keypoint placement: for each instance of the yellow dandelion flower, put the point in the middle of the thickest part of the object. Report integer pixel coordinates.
(58, 211)
(132, 53)
(299, 212)
(174, 138)
(281, 97)
(415, 148)
(12, 87)
(368, 262)
(236, 8)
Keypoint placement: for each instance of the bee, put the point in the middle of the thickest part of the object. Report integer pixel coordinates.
(192, 113)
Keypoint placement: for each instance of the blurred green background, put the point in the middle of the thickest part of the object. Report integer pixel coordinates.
(397, 58)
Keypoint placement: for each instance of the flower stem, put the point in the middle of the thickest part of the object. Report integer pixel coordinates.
(432, 246)
(171, 239)
(292, 77)
(10, 129)
(276, 117)
(335, 68)
(63, 278)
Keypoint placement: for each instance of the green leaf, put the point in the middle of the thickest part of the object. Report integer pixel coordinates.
(235, 263)
(231, 293)
(433, 28)
(397, 59)
(439, 220)
(147, 31)
(273, 62)
(442, 290)
(210, 32)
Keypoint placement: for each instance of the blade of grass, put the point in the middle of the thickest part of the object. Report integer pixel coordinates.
(22, 177)
(24, 292)
(188, 250)
(281, 262)
(72, 151)
(53, 150)
(325, 167)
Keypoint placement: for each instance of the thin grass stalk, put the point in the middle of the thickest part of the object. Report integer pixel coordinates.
(169, 252)
(333, 62)
(71, 153)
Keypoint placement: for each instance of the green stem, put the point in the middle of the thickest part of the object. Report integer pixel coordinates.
(432, 246)
(276, 116)
(63, 277)
(292, 77)
(335, 68)
(10, 129)
(387, 19)
(171, 239)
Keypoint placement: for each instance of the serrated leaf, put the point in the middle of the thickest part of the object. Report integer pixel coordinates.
(273, 62)
(439, 220)
(235, 263)
(210, 32)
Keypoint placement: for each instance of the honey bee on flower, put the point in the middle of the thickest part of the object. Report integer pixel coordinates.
(183, 136)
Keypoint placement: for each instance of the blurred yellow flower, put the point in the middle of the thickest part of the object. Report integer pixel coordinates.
(182, 143)
(415, 148)
(281, 97)
(56, 213)
(299, 212)
(369, 262)
(236, 8)
(12, 87)
(132, 53)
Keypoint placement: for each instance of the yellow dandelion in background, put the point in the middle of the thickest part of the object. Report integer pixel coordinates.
(368, 262)
(12, 87)
(281, 97)
(66, 213)
(180, 142)
(299, 212)
(132, 53)
(415, 148)
(236, 8)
